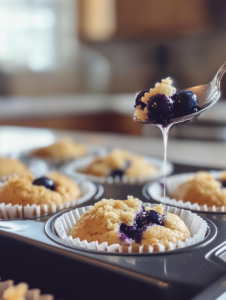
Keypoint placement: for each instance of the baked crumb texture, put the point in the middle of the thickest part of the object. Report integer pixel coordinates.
(133, 165)
(20, 190)
(102, 223)
(62, 149)
(165, 87)
(8, 291)
(10, 166)
(17, 292)
(203, 189)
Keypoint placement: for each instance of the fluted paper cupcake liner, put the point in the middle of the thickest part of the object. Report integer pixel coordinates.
(74, 169)
(33, 294)
(9, 211)
(155, 190)
(196, 225)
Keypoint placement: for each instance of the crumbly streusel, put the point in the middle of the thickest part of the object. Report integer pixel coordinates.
(165, 87)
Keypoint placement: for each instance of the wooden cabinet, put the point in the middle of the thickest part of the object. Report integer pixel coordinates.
(101, 20)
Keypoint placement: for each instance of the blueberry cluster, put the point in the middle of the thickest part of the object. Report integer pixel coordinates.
(46, 182)
(141, 222)
(162, 108)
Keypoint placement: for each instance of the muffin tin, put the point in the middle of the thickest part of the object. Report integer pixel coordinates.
(34, 253)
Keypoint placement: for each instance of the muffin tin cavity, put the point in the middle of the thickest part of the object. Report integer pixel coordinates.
(63, 223)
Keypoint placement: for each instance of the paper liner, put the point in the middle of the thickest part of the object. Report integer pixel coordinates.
(195, 224)
(9, 211)
(33, 294)
(155, 190)
(73, 170)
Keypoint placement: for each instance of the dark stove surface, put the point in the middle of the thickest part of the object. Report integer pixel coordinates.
(28, 254)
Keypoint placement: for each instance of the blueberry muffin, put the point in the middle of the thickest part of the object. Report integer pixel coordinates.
(62, 149)
(54, 189)
(10, 166)
(8, 291)
(203, 189)
(129, 223)
(118, 163)
(160, 104)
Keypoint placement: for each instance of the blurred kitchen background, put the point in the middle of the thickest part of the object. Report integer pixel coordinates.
(77, 64)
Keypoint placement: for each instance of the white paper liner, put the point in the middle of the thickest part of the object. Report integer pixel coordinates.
(9, 211)
(73, 170)
(195, 224)
(155, 190)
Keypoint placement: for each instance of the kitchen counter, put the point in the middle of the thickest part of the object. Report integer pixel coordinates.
(198, 153)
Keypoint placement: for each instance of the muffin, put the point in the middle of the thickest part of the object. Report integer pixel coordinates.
(8, 291)
(10, 166)
(128, 223)
(25, 190)
(203, 189)
(62, 150)
(119, 163)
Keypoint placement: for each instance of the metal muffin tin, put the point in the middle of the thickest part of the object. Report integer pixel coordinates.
(31, 251)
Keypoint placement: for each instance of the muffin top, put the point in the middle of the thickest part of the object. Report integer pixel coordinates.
(10, 166)
(9, 291)
(118, 163)
(17, 292)
(62, 149)
(54, 189)
(203, 189)
(129, 222)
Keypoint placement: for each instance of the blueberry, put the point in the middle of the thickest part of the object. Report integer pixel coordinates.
(117, 173)
(138, 99)
(46, 182)
(185, 103)
(141, 222)
(129, 231)
(120, 172)
(153, 216)
(223, 183)
(160, 109)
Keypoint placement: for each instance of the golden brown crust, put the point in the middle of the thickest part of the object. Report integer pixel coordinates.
(119, 159)
(20, 190)
(202, 189)
(10, 166)
(62, 149)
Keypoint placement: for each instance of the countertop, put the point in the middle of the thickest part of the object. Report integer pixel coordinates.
(198, 153)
